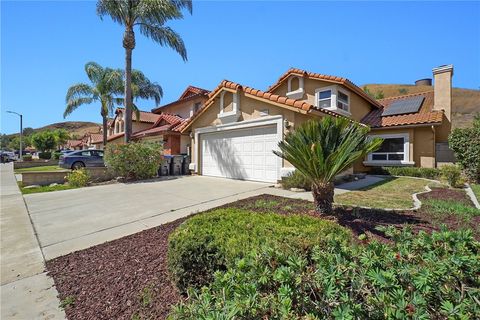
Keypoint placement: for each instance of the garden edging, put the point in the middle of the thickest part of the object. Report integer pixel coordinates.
(472, 196)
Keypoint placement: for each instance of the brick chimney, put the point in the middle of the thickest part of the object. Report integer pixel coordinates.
(442, 89)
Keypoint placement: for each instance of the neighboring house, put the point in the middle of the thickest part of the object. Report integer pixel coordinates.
(234, 134)
(74, 144)
(162, 124)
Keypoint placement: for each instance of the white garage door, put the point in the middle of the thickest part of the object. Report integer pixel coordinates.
(241, 154)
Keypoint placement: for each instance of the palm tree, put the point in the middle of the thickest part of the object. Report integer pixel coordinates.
(150, 16)
(143, 88)
(320, 150)
(105, 88)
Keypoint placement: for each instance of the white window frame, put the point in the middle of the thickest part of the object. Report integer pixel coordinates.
(229, 116)
(406, 152)
(333, 99)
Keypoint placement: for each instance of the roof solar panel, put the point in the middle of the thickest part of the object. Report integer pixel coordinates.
(408, 105)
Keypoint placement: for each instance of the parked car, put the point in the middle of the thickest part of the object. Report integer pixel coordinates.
(7, 156)
(81, 158)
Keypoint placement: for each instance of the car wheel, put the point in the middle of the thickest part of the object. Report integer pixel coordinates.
(78, 165)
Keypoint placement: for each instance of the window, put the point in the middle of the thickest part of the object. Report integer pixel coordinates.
(85, 153)
(332, 98)
(196, 107)
(394, 149)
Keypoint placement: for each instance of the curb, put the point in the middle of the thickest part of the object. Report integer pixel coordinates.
(472, 196)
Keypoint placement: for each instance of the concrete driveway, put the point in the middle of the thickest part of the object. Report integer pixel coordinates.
(70, 220)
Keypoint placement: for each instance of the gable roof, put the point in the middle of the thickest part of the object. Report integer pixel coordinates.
(173, 123)
(189, 94)
(425, 115)
(333, 79)
(256, 94)
(144, 116)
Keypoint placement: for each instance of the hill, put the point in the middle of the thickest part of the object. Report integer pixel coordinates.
(465, 102)
(74, 128)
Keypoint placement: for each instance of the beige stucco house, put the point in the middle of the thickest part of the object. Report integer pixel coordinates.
(234, 134)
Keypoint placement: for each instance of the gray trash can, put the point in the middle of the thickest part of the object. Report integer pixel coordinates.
(164, 169)
(185, 164)
(176, 165)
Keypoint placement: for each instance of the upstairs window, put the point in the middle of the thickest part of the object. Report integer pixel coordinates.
(333, 98)
(325, 99)
(342, 101)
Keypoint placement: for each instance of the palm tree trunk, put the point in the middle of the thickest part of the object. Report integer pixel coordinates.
(129, 45)
(104, 125)
(323, 197)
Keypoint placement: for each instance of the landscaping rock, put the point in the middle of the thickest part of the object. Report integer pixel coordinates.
(53, 184)
(278, 186)
(297, 190)
(32, 186)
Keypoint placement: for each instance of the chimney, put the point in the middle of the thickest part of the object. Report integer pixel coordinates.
(442, 89)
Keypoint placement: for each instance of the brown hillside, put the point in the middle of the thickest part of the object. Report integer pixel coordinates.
(75, 128)
(465, 102)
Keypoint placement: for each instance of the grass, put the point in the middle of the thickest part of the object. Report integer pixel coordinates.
(443, 207)
(40, 168)
(46, 188)
(476, 190)
(391, 193)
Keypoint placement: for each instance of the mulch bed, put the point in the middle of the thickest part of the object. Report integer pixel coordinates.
(128, 278)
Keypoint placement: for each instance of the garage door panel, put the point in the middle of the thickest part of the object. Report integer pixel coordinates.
(241, 154)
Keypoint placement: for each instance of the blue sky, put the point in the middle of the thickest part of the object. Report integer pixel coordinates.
(45, 45)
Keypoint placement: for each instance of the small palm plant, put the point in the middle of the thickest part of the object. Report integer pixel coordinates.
(106, 85)
(149, 16)
(320, 150)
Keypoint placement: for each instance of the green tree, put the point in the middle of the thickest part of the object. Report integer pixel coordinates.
(5, 140)
(150, 17)
(322, 149)
(44, 141)
(143, 88)
(106, 85)
(28, 131)
(61, 136)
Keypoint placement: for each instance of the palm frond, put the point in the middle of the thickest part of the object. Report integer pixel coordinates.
(94, 72)
(79, 90)
(165, 36)
(73, 104)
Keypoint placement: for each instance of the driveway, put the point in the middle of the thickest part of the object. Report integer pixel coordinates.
(70, 220)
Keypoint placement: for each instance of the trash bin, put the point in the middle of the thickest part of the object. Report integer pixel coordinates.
(185, 164)
(176, 165)
(164, 169)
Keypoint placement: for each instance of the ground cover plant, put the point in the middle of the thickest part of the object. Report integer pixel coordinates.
(212, 241)
(40, 189)
(39, 168)
(417, 276)
(78, 178)
(392, 193)
(476, 190)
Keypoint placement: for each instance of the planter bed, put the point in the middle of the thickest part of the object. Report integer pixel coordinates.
(128, 278)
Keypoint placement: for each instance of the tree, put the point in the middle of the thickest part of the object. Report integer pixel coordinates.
(27, 131)
(322, 149)
(150, 16)
(44, 141)
(105, 88)
(61, 136)
(5, 140)
(143, 88)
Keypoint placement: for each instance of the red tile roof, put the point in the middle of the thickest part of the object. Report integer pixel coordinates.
(152, 131)
(189, 94)
(192, 90)
(96, 137)
(109, 138)
(333, 79)
(426, 114)
(145, 116)
(258, 93)
(74, 143)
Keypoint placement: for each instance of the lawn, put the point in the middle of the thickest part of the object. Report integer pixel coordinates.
(392, 193)
(40, 168)
(128, 278)
(476, 190)
(40, 189)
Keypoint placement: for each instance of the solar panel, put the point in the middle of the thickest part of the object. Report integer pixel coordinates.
(409, 105)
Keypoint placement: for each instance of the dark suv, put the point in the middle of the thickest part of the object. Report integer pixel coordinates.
(82, 158)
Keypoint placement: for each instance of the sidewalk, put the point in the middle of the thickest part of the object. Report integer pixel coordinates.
(26, 290)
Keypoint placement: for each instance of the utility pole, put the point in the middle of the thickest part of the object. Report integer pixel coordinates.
(20, 152)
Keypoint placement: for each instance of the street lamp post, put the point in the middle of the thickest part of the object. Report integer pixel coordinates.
(20, 152)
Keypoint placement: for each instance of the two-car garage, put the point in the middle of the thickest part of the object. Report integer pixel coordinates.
(241, 153)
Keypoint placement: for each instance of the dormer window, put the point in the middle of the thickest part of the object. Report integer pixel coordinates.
(295, 88)
(333, 98)
(229, 107)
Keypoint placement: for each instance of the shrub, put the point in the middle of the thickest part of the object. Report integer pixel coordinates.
(56, 155)
(27, 157)
(45, 155)
(465, 143)
(135, 160)
(212, 241)
(427, 173)
(296, 180)
(78, 178)
(417, 277)
(451, 173)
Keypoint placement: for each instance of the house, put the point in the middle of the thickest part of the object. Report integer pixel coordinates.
(234, 134)
(162, 124)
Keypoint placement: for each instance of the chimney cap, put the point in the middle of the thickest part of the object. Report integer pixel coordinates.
(443, 68)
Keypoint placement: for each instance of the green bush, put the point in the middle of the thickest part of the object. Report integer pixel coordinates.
(452, 174)
(296, 180)
(135, 160)
(212, 241)
(56, 155)
(45, 155)
(417, 277)
(78, 178)
(27, 157)
(427, 173)
(465, 143)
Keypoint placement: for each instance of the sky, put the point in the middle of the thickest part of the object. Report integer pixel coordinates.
(45, 45)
